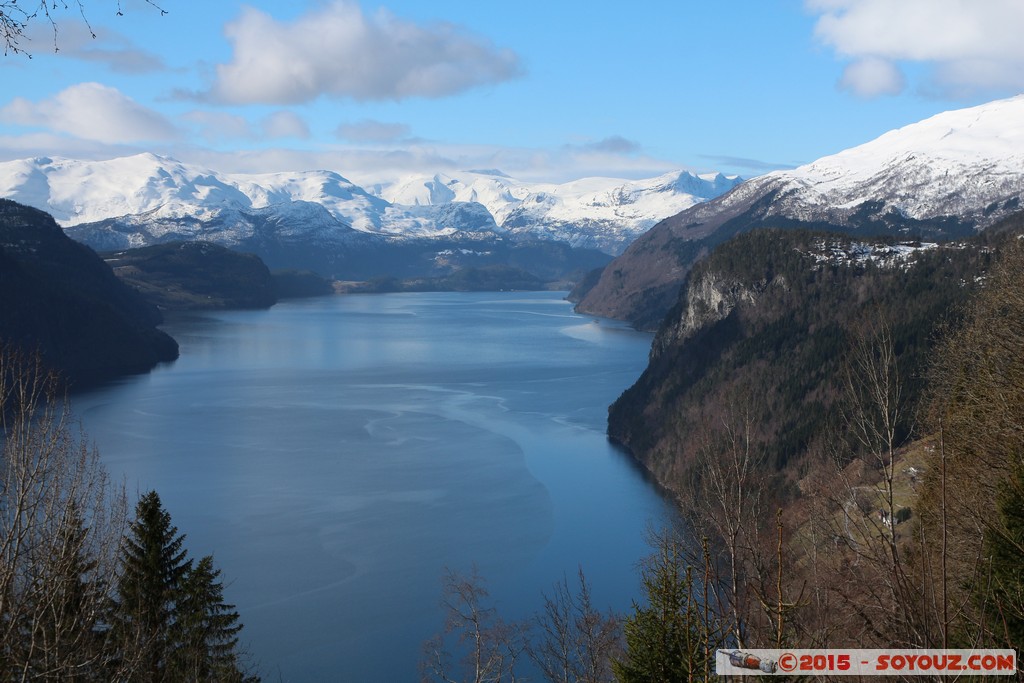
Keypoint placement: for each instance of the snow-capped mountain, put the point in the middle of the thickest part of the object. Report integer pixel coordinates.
(147, 197)
(958, 171)
(603, 213)
(493, 189)
(948, 176)
(961, 163)
(77, 192)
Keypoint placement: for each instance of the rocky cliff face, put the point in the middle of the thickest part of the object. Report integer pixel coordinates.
(709, 298)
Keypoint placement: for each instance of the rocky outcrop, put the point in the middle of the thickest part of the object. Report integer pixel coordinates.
(708, 298)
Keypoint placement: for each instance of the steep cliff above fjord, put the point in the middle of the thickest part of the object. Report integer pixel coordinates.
(762, 325)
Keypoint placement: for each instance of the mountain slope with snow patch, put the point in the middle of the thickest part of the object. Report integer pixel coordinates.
(950, 175)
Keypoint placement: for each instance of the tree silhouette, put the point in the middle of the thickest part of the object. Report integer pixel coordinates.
(206, 629)
(154, 568)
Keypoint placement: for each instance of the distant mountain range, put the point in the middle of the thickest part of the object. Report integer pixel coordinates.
(148, 199)
(599, 213)
(951, 175)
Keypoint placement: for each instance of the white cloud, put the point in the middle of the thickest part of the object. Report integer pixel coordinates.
(217, 125)
(872, 77)
(973, 45)
(38, 144)
(372, 131)
(91, 111)
(367, 166)
(284, 124)
(96, 44)
(337, 50)
(747, 167)
(363, 164)
(614, 144)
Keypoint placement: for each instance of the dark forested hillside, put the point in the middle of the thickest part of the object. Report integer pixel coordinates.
(195, 275)
(300, 284)
(763, 324)
(485, 279)
(58, 297)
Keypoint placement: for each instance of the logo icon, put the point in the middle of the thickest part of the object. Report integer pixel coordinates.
(745, 660)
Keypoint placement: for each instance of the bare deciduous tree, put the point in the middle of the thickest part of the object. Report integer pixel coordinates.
(876, 424)
(865, 590)
(486, 648)
(727, 504)
(577, 643)
(60, 526)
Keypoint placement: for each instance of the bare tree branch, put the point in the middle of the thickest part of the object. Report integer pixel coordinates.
(15, 19)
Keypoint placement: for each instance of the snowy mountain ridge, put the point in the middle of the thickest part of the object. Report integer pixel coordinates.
(502, 195)
(966, 163)
(77, 192)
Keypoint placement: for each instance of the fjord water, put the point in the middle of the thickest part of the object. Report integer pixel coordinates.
(335, 455)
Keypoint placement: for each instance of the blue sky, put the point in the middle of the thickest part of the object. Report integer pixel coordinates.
(540, 90)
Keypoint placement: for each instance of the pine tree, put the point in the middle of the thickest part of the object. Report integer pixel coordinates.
(663, 643)
(154, 567)
(206, 629)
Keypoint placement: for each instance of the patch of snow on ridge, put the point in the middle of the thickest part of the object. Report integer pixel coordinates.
(837, 253)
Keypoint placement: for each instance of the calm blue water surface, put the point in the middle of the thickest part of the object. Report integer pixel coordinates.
(336, 454)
